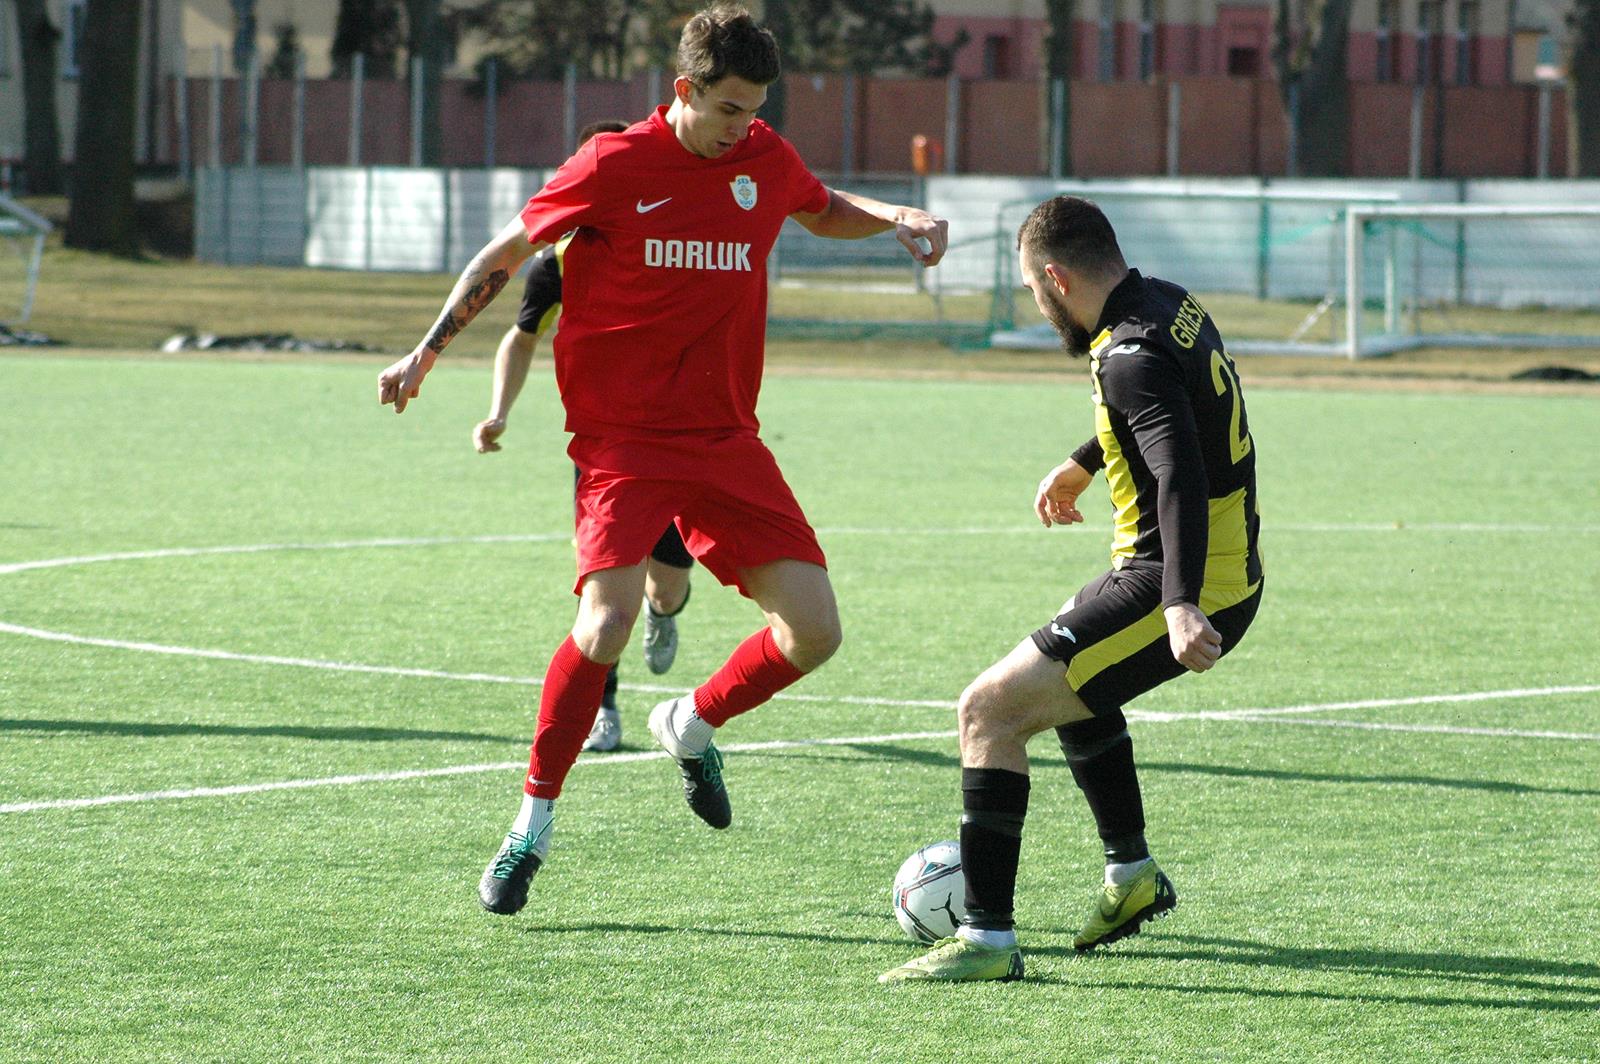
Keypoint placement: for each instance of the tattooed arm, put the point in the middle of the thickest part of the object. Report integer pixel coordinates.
(476, 288)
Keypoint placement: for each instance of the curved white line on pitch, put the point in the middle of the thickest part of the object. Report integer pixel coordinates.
(550, 537)
(259, 548)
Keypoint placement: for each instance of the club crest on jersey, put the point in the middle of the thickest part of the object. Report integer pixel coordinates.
(744, 191)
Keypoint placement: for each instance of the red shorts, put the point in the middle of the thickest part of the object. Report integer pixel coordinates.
(726, 493)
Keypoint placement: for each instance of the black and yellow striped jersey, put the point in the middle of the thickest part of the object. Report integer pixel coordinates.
(541, 292)
(1172, 434)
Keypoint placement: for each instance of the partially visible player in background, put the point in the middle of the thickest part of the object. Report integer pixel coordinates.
(1172, 435)
(667, 573)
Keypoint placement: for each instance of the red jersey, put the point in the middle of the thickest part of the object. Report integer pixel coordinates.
(664, 285)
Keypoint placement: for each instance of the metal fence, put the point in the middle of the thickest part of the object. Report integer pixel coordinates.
(848, 124)
(1275, 250)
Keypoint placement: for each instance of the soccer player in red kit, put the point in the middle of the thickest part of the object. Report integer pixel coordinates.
(659, 363)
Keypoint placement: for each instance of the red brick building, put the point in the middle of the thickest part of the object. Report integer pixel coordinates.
(1441, 42)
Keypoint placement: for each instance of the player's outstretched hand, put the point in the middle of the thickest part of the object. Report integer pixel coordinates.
(400, 383)
(1195, 644)
(1056, 502)
(915, 226)
(489, 430)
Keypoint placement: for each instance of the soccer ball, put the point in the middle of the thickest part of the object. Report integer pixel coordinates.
(930, 892)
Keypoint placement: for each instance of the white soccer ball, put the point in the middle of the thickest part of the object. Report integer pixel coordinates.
(930, 892)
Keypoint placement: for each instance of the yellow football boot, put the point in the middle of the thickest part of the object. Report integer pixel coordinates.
(955, 960)
(1121, 910)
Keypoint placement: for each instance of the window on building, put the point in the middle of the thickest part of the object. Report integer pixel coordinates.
(1147, 39)
(1466, 41)
(997, 56)
(1383, 37)
(72, 45)
(1244, 62)
(1430, 28)
(1108, 40)
(1549, 63)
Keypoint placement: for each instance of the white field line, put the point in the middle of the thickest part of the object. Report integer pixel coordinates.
(259, 659)
(1263, 715)
(455, 770)
(258, 548)
(1432, 729)
(428, 674)
(1390, 703)
(557, 537)
(781, 744)
(860, 700)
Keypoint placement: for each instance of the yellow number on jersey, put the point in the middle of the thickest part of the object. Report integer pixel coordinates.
(1223, 375)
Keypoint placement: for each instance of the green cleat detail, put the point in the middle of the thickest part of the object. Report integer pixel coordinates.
(504, 886)
(1120, 911)
(955, 960)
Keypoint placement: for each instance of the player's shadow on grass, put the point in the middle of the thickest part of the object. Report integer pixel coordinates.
(887, 939)
(1239, 772)
(1496, 972)
(152, 729)
(890, 752)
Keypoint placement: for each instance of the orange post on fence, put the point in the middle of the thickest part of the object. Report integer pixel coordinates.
(927, 155)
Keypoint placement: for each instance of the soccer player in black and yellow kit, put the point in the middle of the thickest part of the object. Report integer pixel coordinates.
(1173, 438)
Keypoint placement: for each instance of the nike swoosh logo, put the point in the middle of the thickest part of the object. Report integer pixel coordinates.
(1110, 915)
(645, 208)
(1065, 633)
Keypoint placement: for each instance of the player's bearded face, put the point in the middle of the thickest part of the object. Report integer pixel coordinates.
(1074, 334)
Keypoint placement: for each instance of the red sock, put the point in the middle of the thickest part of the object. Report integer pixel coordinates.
(572, 688)
(755, 672)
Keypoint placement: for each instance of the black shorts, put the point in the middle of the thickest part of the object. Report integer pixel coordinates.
(669, 550)
(1112, 635)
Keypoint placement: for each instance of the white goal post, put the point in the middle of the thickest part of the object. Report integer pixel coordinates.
(1513, 276)
(19, 225)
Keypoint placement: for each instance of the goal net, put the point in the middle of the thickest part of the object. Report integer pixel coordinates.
(1471, 276)
(1325, 274)
(1267, 263)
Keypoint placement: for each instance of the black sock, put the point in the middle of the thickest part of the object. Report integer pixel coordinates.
(994, 802)
(1100, 754)
(608, 700)
(657, 613)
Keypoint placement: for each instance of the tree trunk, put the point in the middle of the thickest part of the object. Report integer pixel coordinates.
(1059, 65)
(1312, 67)
(1583, 91)
(101, 215)
(425, 41)
(41, 135)
(244, 35)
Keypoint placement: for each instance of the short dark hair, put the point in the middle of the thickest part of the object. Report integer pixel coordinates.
(725, 40)
(1074, 232)
(607, 125)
